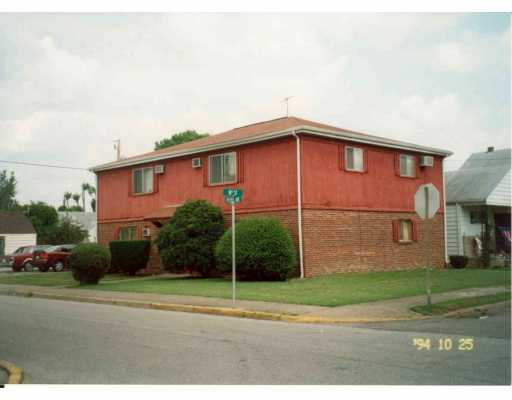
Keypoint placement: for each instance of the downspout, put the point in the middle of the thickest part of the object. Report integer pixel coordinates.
(444, 216)
(299, 205)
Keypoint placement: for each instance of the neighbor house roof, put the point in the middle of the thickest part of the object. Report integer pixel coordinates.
(475, 180)
(86, 219)
(15, 223)
(261, 131)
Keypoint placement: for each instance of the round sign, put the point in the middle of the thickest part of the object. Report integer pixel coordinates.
(426, 201)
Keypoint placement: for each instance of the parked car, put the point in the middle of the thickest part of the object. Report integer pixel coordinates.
(23, 258)
(55, 257)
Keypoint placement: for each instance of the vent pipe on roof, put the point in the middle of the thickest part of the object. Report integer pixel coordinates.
(490, 149)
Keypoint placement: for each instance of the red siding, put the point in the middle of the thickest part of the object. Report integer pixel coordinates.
(267, 175)
(327, 185)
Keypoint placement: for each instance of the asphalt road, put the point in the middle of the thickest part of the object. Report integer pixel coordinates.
(66, 342)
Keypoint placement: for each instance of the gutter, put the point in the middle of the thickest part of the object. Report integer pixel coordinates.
(299, 205)
(346, 135)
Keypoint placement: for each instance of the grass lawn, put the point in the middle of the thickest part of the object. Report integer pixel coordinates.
(333, 290)
(452, 305)
(48, 278)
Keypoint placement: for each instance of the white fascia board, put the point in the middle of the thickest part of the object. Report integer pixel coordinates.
(274, 135)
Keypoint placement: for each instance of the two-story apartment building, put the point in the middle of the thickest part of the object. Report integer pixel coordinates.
(346, 197)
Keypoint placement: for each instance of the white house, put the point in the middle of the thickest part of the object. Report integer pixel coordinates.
(16, 230)
(86, 219)
(478, 201)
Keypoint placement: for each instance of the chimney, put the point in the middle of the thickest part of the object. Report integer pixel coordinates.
(490, 149)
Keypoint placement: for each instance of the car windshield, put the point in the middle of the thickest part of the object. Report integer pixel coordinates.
(51, 249)
(43, 247)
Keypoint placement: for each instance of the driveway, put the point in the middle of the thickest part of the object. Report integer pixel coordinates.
(69, 342)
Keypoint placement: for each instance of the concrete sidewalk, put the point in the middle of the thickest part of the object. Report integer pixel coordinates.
(385, 310)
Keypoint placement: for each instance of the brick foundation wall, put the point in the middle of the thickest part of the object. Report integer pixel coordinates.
(334, 241)
(355, 241)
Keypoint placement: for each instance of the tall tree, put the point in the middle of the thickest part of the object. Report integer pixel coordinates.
(44, 219)
(85, 189)
(76, 197)
(8, 191)
(67, 197)
(92, 194)
(178, 138)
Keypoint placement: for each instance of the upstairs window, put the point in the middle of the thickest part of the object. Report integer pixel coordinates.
(407, 165)
(222, 168)
(128, 233)
(354, 159)
(143, 180)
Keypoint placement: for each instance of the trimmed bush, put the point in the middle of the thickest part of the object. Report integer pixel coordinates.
(458, 261)
(187, 241)
(89, 262)
(129, 256)
(264, 250)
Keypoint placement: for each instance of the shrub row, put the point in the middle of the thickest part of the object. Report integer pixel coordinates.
(129, 256)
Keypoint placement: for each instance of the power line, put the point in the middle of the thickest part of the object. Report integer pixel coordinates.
(42, 165)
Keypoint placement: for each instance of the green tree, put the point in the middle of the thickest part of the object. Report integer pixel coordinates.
(44, 219)
(187, 241)
(67, 231)
(67, 197)
(92, 194)
(93, 204)
(8, 191)
(178, 138)
(85, 189)
(76, 198)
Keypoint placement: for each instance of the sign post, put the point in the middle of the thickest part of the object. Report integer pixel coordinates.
(426, 204)
(233, 196)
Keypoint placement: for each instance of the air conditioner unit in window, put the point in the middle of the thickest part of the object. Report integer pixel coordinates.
(426, 161)
(146, 232)
(196, 162)
(159, 169)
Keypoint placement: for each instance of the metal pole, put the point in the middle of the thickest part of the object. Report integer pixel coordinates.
(427, 247)
(233, 247)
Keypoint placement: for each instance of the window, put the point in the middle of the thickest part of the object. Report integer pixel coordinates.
(143, 180)
(128, 233)
(354, 159)
(475, 217)
(222, 168)
(405, 230)
(407, 165)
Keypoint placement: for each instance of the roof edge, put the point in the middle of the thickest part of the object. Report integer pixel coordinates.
(307, 129)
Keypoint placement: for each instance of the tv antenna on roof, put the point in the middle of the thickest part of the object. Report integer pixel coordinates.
(286, 100)
(117, 147)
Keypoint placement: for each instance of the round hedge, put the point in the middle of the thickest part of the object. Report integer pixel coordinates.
(187, 241)
(89, 262)
(264, 250)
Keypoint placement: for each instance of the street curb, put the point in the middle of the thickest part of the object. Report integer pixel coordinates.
(15, 373)
(222, 311)
(471, 310)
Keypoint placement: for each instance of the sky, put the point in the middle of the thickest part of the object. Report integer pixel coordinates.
(70, 84)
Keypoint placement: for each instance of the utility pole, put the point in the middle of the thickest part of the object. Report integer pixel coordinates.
(286, 100)
(117, 147)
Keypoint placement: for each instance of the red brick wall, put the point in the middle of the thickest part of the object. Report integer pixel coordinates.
(110, 231)
(354, 241)
(334, 241)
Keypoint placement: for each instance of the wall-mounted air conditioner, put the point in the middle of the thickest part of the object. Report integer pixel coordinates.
(146, 232)
(159, 169)
(426, 161)
(196, 162)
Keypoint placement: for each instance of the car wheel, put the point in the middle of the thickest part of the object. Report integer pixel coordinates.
(59, 266)
(28, 267)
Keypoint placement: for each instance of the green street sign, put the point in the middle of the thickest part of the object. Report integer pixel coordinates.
(232, 196)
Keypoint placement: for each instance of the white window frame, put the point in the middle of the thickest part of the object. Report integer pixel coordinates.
(131, 227)
(400, 239)
(413, 171)
(223, 182)
(362, 158)
(142, 176)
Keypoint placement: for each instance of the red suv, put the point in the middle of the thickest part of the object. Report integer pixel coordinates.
(55, 257)
(23, 258)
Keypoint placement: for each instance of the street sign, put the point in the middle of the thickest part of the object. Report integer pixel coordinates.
(426, 201)
(233, 196)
